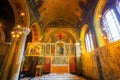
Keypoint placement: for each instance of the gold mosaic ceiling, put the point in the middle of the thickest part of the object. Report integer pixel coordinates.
(50, 10)
(65, 9)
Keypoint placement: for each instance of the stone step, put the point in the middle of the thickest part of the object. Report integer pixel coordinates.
(57, 77)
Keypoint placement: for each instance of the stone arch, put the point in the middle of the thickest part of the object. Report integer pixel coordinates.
(36, 32)
(2, 35)
(82, 38)
(68, 22)
(72, 36)
(6, 20)
(97, 14)
(18, 8)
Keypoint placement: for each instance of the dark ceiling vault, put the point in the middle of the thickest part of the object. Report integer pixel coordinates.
(6, 18)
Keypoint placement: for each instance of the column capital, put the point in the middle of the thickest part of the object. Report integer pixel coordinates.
(21, 30)
(77, 43)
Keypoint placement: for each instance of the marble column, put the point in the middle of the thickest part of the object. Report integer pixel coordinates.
(18, 55)
(78, 56)
(6, 69)
(77, 49)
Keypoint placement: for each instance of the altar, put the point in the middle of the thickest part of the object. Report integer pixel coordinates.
(56, 57)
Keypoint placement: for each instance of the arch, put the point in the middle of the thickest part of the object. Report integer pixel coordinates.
(18, 8)
(2, 35)
(6, 20)
(67, 21)
(97, 14)
(36, 32)
(73, 38)
(82, 38)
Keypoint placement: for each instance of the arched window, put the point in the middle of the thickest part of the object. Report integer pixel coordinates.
(89, 41)
(111, 21)
(118, 7)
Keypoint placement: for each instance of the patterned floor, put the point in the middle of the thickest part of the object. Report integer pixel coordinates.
(56, 77)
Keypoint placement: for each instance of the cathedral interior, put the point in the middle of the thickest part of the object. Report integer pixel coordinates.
(67, 37)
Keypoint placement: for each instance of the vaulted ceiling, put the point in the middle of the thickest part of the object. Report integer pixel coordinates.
(53, 13)
(47, 13)
(65, 9)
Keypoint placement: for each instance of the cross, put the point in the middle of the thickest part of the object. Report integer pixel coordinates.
(60, 36)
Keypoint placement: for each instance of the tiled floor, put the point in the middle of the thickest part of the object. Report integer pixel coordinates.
(56, 77)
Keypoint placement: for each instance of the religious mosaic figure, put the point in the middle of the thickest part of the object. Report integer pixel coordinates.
(41, 49)
(72, 50)
(53, 50)
(47, 49)
(67, 51)
(60, 49)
